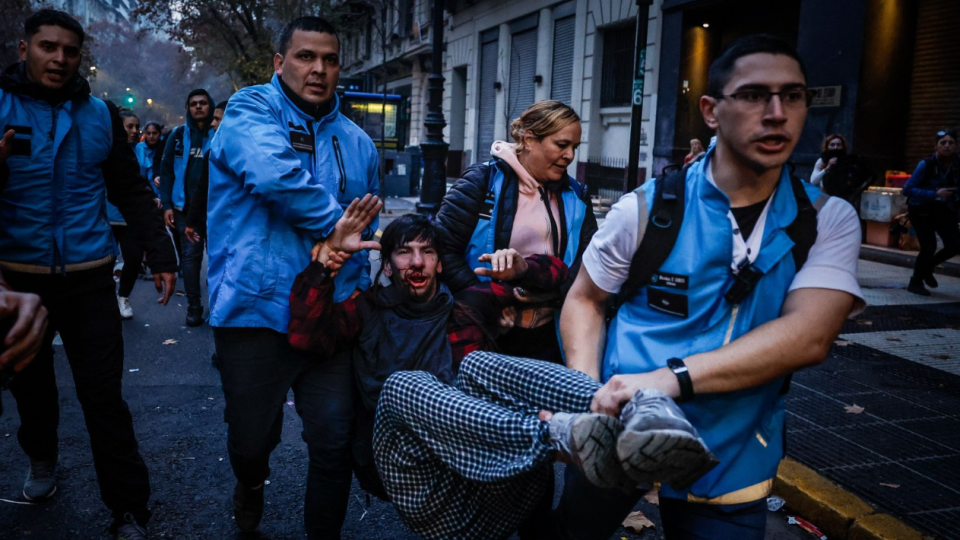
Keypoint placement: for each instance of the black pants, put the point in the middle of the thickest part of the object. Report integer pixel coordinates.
(930, 220)
(132, 258)
(258, 367)
(83, 308)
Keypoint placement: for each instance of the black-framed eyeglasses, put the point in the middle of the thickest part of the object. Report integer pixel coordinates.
(793, 97)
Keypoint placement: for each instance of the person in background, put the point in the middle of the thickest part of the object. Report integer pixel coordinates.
(179, 180)
(833, 147)
(932, 201)
(146, 151)
(218, 115)
(130, 247)
(696, 150)
(524, 200)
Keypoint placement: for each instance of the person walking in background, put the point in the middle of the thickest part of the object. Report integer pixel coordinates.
(130, 247)
(833, 148)
(49, 184)
(218, 115)
(146, 151)
(932, 198)
(696, 150)
(523, 200)
(179, 180)
(282, 167)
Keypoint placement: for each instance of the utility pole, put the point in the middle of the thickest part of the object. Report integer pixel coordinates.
(434, 184)
(640, 60)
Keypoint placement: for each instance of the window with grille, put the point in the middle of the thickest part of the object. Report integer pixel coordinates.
(616, 78)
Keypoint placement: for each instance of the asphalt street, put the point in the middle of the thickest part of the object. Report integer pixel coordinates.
(177, 405)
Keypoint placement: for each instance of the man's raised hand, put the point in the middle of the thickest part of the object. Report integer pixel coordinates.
(505, 265)
(347, 233)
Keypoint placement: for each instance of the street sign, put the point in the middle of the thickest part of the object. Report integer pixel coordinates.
(638, 92)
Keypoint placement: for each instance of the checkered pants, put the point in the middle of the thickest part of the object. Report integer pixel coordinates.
(470, 461)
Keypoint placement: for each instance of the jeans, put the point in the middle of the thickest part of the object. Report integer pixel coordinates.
(82, 306)
(132, 258)
(928, 221)
(191, 261)
(257, 368)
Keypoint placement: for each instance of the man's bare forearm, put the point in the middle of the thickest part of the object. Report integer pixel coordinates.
(582, 325)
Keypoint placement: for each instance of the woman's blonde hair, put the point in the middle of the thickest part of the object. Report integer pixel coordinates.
(542, 119)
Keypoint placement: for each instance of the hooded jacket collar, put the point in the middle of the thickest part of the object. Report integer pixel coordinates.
(14, 80)
(191, 123)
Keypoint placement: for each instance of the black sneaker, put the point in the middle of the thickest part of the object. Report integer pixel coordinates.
(916, 287)
(41, 482)
(658, 443)
(194, 315)
(247, 507)
(129, 529)
(930, 280)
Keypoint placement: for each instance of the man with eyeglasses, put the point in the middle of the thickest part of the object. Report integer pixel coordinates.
(756, 286)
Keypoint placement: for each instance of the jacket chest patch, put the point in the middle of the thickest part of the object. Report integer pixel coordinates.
(670, 281)
(668, 302)
(302, 142)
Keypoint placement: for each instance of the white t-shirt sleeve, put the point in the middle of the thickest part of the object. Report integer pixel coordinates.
(832, 261)
(607, 258)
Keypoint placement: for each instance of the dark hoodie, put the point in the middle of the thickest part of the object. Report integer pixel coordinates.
(195, 161)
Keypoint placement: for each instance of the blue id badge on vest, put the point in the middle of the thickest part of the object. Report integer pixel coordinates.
(302, 142)
(668, 302)
(21, 140)
(486, 209)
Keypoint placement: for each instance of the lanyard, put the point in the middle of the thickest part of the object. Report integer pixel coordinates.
(746, 251)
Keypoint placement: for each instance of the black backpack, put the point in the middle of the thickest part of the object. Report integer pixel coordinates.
(661, 228)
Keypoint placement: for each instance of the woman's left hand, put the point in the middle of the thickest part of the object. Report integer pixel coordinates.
(505, 265)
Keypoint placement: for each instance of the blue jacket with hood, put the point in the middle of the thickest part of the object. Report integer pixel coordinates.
(279, 181)
(175, 166)
(70, 154)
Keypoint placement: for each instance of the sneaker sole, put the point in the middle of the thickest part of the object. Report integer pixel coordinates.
(665, 455)
(594, 447)
(38, 499)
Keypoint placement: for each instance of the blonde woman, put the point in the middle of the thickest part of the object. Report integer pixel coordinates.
(518, 204)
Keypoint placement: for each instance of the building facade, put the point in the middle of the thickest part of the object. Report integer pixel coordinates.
(502, 56)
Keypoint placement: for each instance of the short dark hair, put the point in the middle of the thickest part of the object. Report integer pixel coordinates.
(722, 67)
(405, 229)
(305, 24)
(154, 124)
(221, 106)
(127, 113)
(52, 17)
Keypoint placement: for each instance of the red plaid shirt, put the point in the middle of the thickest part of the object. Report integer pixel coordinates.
(317, 324)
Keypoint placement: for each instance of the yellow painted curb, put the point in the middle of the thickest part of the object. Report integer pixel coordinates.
(837, 512)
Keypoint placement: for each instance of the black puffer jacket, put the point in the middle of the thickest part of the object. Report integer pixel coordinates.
(460, 212)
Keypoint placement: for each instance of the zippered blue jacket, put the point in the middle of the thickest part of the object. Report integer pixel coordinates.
(279, 181)
(745, 429)
(145, 156)
(69, 155)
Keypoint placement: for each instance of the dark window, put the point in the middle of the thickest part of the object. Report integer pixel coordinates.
(616, 79)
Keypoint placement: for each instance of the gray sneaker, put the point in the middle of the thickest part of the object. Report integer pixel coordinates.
(589, 440)
(41, 480)
(658, 444)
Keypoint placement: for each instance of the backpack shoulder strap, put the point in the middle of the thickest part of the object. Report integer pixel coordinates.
(803, 230)
(658, 231)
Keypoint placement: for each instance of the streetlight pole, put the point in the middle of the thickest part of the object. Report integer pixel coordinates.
(434, 149)
(640, 60)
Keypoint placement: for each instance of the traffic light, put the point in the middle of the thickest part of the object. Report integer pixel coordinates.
(129, 100)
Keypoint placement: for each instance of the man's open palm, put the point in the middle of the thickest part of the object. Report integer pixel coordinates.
(347, 233)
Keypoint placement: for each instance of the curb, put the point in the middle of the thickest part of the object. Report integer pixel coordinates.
(904, 260)
(837, 512)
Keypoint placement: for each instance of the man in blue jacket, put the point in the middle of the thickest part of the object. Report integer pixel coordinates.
(689, 332)
(180, 173)
(282, 167)
(69, 155)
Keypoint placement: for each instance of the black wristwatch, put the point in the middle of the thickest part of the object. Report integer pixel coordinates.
(679, 369)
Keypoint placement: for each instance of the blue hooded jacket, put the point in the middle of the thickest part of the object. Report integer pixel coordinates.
(279, 181)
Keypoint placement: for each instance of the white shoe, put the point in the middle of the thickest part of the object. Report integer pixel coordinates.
(126, 312)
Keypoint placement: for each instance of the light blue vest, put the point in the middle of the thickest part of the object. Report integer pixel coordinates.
(181, 157)
(744, 428)
(484, 235)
